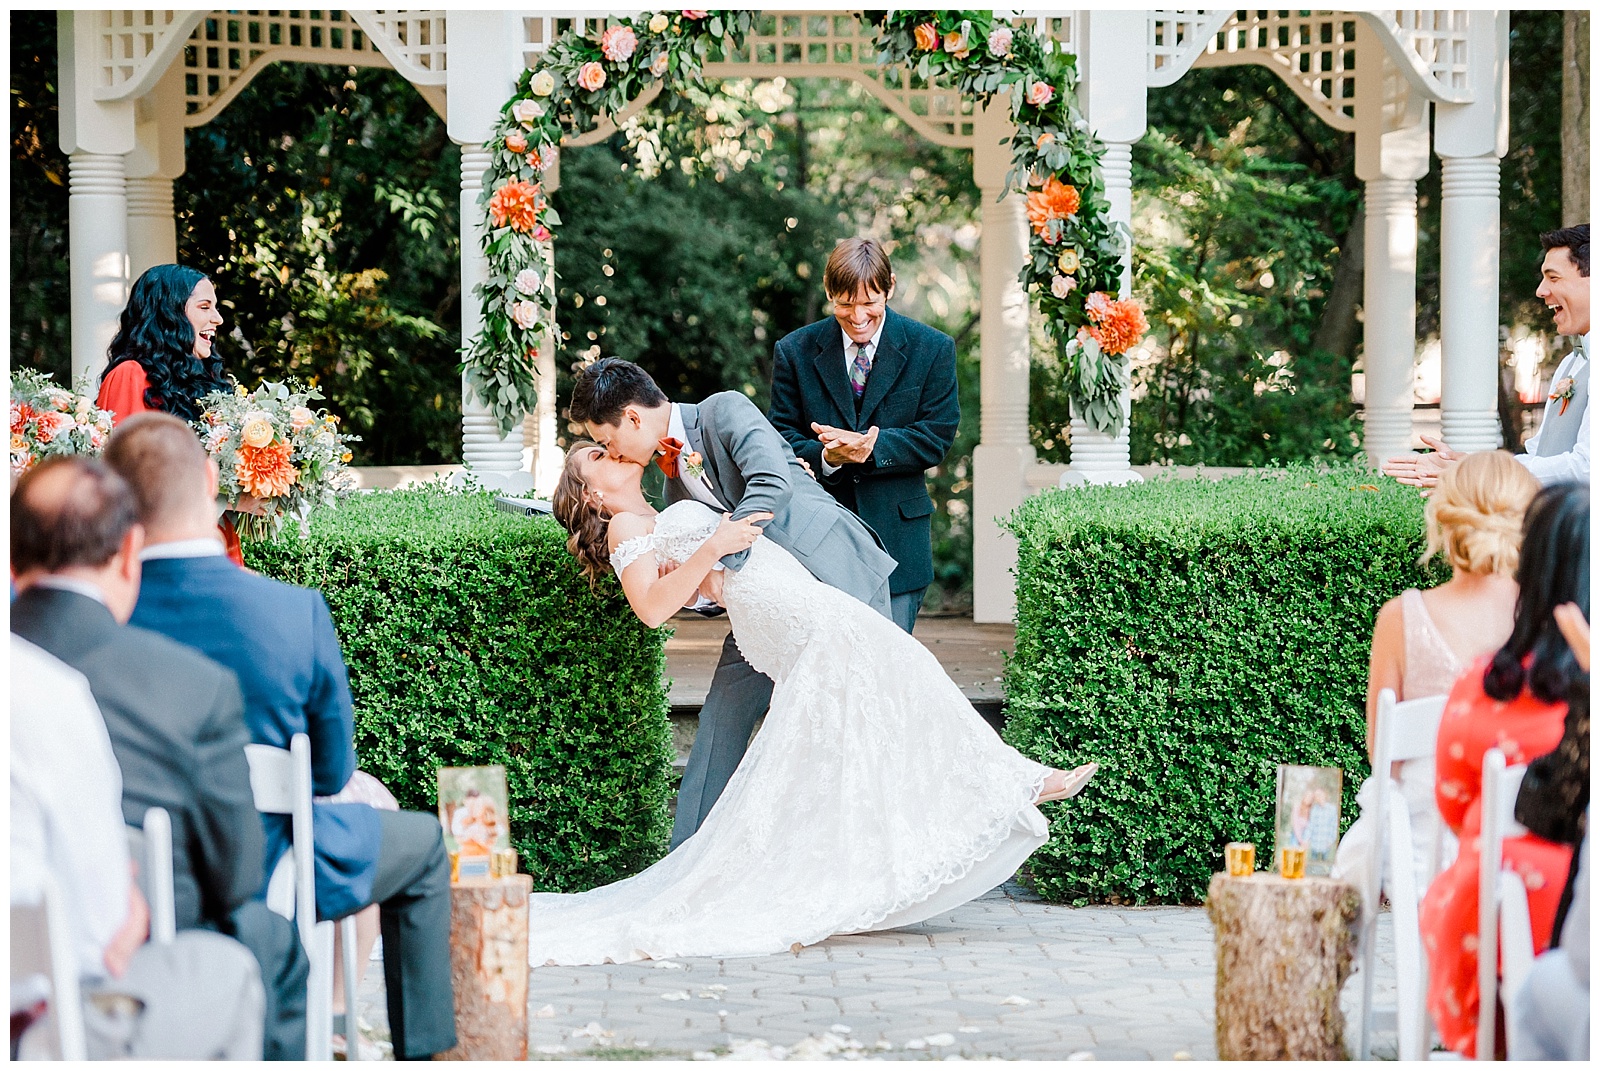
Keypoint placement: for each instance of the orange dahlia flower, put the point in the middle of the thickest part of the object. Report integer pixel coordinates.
(516, 205)
(265, 471)
(1120, 325)
(1055, 201)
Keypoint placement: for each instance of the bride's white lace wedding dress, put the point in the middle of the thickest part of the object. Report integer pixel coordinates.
(873, 796)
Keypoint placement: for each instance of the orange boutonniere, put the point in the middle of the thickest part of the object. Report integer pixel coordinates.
(1562, 392)
(692, 465)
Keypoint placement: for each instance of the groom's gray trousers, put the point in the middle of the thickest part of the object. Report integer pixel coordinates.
(739, 696)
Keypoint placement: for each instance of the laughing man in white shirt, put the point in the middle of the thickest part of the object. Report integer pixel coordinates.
(1559, 452)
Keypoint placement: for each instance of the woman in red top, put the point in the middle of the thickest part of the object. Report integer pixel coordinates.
(164, 358)
(1514, 700)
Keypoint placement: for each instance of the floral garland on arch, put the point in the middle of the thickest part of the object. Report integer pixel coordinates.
(1074, 264)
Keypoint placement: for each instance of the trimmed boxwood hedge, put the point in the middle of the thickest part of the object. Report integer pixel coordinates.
(1189, 636)
(472, 639)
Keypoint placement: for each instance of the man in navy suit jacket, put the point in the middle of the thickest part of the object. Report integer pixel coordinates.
(868, 399)
(280, 641)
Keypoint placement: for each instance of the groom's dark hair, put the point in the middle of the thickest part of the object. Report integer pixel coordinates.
(608, 386)
(1575, 240)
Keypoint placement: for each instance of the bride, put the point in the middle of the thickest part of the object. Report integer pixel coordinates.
(873, 797)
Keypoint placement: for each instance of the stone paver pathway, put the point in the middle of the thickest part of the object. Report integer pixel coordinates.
(1005, 976)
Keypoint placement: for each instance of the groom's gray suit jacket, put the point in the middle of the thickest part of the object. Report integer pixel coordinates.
(751, 469)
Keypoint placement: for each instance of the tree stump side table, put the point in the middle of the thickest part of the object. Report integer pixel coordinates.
(489, 968)
(1284, 950)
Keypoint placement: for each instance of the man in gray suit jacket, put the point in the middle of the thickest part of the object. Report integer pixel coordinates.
(747, 468)
(175, 717)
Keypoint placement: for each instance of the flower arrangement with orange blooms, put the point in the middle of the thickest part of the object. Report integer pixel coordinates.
(517, 205)
(272, 444)
(593, 71)
(589, 73)
(1050, 206)
(51, 421)
(1075, 252)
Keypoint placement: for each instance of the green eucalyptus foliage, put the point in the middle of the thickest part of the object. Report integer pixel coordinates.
(472, 639)
(1189, 636)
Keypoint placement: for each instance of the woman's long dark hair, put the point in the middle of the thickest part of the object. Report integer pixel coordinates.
(1553, 569)
(155, 331)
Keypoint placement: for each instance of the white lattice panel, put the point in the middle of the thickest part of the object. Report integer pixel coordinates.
(1436, 43)
(228, 48)
(129, 43)
(414, 41)
(1175, 40)
(1314, 52)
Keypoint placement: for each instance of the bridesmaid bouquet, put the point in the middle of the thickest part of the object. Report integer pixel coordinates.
(271, 444)
(51, 421)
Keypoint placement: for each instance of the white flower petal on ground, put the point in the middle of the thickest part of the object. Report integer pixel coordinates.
(969, 1030)
(1019, 1001)
(916, 1043)
(668, 965)
(593, 1030)
(546, 1012)
(940, 1040)
(552, 1050)
(676, 994)
(1081, 1054)
(839, 1028)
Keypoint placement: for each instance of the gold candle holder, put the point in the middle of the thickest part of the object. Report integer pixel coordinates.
(1292, 862)
(504, 863)
(1241, 858)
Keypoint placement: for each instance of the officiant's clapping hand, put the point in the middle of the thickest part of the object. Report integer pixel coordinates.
(842, 446)
(1422, 470)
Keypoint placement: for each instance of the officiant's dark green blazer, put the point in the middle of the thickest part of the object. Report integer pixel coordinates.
(910, 396)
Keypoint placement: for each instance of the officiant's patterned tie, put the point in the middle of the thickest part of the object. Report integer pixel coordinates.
(860, 367)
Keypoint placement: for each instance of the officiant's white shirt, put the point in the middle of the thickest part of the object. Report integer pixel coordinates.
(828, 468)
(1574, 464)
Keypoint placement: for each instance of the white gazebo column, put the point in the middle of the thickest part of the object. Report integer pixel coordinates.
(1111, 51)
(95, 136)
(156, 161)
(539, 429)
(1391, 155)
(485, 62)
(1471, 139)
(1003, 456)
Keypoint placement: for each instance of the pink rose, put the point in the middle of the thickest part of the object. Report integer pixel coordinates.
(695, 14)
(524, 314)
(516, 143)
(1000, 41)
(617, 44)
(1062, 285)
(541, 233)
(591, 76)
(658, 66)
(97, 438)
(956, 44)
(1040, 94)
(927, 37)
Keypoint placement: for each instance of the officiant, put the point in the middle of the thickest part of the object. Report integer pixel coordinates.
(867, 398)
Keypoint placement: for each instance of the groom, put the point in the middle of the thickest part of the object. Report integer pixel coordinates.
(724, 453)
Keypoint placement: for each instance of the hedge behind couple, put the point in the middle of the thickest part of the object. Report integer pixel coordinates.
(874, 795)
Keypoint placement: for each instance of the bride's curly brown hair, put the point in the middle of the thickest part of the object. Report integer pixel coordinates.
(586, 525)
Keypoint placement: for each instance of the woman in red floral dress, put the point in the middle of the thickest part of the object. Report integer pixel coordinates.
(1514, 700)
(163, 357)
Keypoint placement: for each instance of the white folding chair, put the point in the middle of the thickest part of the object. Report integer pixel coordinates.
(41, 949)
(1403, 732)
(281, 782)
(152, 846)
(1504, 928)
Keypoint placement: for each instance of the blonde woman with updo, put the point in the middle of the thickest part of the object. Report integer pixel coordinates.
(1423, 640)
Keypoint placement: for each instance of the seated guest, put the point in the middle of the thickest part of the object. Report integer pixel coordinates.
(1423, 640)
(1552, 1008)
(280, 641)
(175, 718)
(1514, 700)
(201, 993)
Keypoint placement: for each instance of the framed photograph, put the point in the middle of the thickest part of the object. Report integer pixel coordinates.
(473, 811)
(1308, 814)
